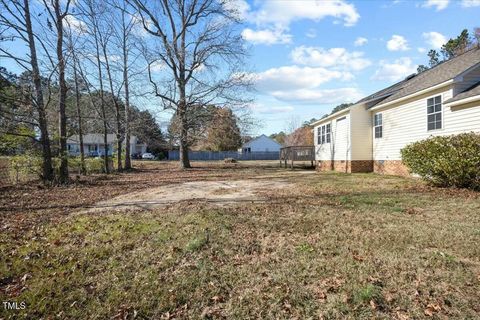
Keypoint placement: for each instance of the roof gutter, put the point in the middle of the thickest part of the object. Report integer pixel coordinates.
(413, 95)
(463, 101)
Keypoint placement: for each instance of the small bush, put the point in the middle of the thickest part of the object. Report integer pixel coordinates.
(23, 167)
(446, 161)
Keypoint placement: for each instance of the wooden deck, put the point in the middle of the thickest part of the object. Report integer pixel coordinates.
(297, 153)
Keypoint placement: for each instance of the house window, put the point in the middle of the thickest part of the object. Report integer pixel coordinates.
(329, 130)
(378, 125)
(434, 113)
(323, 134)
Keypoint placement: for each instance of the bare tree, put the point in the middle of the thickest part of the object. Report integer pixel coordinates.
(90, 10)
(198, 59)
(104, 44)
(72, 49)
(127, 23)
(16, 17)
(58, 12)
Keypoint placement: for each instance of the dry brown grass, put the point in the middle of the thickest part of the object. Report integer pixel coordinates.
(335, 246)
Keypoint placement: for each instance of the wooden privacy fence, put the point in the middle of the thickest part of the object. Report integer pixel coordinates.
(221, 155)
(297, 153)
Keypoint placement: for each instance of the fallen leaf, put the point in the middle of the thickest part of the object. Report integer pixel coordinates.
(217, 299)
(358, 258)
(431, 309)
(402, 316)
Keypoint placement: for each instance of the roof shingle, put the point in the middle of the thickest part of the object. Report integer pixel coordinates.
(440, 73)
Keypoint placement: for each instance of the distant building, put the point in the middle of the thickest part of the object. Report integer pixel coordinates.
(261, 144)
(93, 145)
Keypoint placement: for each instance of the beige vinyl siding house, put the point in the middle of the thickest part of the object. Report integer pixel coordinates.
(345, 146)
(444, 100)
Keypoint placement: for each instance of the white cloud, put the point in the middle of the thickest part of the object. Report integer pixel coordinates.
(320, 96)
(303, 84)
(289, 78)
(289, 11)
(438, 4)
(75, 24)
(263, 109)
(238, 8)
(267, 36)
(273, 20)
(470, 3)
(157, 66)
(395, 71)
(434, 39)
(360, 41)
(338, 58)
(397, 43)
(421, 50)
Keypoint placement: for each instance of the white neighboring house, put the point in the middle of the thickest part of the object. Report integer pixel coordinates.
(93, 145)
(261, 144)
(369, 135)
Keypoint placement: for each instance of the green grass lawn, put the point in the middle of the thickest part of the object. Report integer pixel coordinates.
(334, 246)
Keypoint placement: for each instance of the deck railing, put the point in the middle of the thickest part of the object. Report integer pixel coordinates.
(297, 153)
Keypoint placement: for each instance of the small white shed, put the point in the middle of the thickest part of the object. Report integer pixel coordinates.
(261, 144)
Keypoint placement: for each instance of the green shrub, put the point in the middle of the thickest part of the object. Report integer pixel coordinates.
(26, 167)
(446, 160)
(92, 165)
(22, 167)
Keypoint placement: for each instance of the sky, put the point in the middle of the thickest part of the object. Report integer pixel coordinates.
(307, 56)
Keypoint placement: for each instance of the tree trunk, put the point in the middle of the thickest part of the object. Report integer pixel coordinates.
(105, 143)
(128, 163)
(184, 160)
(102, 100)
(117, 110)
(47, 170)
(62, 96)
(182, 107)
(83, 169)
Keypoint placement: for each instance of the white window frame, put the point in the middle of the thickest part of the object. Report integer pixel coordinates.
(375, 125)
(442, 124)
(323, 135)
(328, 133)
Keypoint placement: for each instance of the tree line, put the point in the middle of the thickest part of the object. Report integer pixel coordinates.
(84, 62)
(452, 48)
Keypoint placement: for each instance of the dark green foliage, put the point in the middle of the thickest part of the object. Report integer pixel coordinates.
(147, 130)
(223, 133)
(279, 137)
(422, 68)
(446, 161)
(456, 46)
(341, 107)
(452, 48)
(434, 58)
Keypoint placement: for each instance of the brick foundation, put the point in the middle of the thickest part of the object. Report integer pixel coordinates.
(345, 166)
(392, 167)
(362, 166)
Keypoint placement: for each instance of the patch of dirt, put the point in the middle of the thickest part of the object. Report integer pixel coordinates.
(221, 193)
